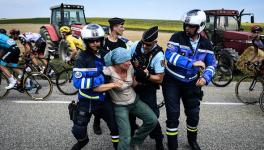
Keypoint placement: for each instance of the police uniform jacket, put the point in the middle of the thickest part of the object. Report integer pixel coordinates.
(180, 57)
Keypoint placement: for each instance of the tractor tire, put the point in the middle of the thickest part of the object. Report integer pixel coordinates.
(228, 57)
(50, 45)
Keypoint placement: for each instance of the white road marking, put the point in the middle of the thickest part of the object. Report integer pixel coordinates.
(42, 102)
(67, 102)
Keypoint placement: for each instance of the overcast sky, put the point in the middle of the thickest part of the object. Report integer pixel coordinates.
(144, 9)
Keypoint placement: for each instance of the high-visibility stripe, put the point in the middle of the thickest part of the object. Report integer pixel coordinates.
(171, 58)
(192, 129)
(88, 83)
(82, 83)
(115, 137)
(85, 69)
(172, 129)
(176, 59)
(87, 96)
(171, 133)
(115, 140)
(211, 70)
(173, 43)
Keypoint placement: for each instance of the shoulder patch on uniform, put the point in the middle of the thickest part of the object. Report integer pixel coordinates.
(78, 74)
(162, 63)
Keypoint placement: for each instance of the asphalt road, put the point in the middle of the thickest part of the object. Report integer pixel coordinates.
(225, 124)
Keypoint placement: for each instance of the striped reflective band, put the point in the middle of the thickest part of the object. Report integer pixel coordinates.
(172, 131)
(191, 129)
(87, 96)
(115, 139)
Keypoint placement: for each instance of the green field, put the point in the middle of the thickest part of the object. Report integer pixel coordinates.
(132, 24)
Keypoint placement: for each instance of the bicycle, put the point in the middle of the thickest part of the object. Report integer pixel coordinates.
(48, 69)
(250, 87)
(64, 82)
(223, 76)
(39, 85)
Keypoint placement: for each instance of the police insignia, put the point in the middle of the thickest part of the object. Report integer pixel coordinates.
(162, 63)
(78, 74)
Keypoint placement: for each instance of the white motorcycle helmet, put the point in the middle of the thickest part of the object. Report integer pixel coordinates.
(92, 31)
(195, 17)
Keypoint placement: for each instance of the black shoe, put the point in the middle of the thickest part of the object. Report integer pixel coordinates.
(80, 144)
(159, 144)
(194, 145)
(96, 128)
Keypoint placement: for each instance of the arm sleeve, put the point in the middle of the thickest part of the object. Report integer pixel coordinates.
(209, 71)
(173, 58)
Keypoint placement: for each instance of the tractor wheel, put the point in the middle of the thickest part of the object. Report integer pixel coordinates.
(228, 57)
(50, 45)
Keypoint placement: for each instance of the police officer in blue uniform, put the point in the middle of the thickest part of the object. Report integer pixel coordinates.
(112, 41)
(190, 65)
(148, 62)
(89, 79)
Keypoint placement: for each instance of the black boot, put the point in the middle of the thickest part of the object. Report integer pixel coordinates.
(159, 144)
(80, 144)
(172, 142)
(192, 140)
(115, 144)
(96, 126)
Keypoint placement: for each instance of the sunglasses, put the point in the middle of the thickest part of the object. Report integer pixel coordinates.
(191, 26)
(93, 40)
(147, 44)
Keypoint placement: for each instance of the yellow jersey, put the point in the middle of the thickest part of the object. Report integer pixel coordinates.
(75, 43)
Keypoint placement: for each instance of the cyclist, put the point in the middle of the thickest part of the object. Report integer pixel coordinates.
(9, 55)
(252, 54)
(75, 43)
(14, 33)
(34, 44)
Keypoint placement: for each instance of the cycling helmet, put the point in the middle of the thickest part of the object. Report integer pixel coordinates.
(256, 29)
(14, 33)
(195, 17)
(3, 31)
(65, 29)
(22, 39)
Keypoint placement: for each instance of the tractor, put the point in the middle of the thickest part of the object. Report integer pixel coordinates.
(62, 15)
(223, 28)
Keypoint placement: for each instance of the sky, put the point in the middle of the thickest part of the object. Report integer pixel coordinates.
(140, 9)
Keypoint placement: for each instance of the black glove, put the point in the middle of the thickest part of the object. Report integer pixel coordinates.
(141, 76)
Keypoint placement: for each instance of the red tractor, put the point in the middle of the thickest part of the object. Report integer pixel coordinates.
(61, 15)
(223, 28)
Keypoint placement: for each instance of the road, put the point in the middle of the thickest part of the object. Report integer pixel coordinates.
(225, 124)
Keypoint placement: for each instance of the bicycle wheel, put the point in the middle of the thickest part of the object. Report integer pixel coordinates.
(261, 101)
(38, 86)
(3, 83)
(248, 89)
(64, 82)
(53, 72)
(223, 76)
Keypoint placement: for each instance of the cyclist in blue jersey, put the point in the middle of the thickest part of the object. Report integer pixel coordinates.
(9, 55)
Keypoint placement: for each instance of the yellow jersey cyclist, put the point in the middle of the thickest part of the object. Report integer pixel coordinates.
(75, 43)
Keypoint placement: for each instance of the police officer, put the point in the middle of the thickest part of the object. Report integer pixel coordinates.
(148, 62)
(190, 65)
(112, 41)
(88, 78)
